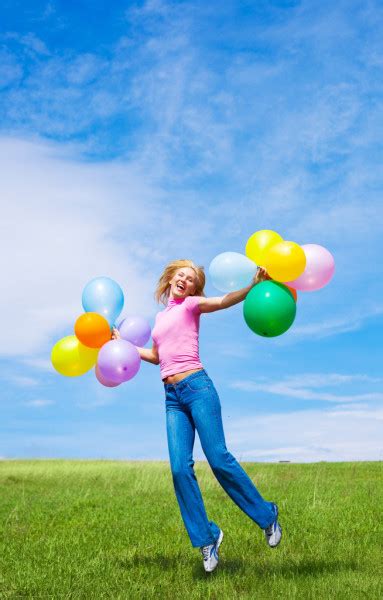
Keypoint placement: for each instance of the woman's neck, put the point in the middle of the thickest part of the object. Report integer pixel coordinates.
(173, 300)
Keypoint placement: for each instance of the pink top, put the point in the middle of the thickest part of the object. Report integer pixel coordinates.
(175, 334)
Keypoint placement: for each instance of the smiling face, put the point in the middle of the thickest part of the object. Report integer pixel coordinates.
(183, 283)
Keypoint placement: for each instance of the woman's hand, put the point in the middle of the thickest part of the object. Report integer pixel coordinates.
(115, 334)
(261, 275)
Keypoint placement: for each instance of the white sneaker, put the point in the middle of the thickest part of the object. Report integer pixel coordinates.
(273, 532)
(210, 554)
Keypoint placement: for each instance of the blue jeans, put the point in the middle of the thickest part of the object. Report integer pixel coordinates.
(191, 404)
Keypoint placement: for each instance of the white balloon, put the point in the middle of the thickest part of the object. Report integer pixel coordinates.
(231, 271)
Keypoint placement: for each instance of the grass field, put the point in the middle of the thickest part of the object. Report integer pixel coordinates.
(105, 529)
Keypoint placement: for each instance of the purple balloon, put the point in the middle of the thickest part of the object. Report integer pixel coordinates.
(135, 330)
(101, 379)
(118, 361)
(320, 267)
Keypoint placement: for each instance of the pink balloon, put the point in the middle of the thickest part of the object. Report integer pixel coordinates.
(118, 361)
(102, 379)
(320, 267)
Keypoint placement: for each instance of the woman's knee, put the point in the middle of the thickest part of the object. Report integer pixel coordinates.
(220, 460)
(182, 470)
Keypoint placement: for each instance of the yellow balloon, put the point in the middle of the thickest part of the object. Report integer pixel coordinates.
(71, 358)
(258, 245)
(285, 261)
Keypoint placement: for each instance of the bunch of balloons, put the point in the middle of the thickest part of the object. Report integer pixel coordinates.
(115, 361)
(270, 307)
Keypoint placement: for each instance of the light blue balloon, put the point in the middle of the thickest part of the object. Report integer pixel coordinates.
(103, 296)
(231, 271)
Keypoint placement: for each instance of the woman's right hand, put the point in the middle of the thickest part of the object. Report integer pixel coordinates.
(261, 275)
(115, 334)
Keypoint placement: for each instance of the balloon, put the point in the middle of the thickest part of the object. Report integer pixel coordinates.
(71, 358)
(118, 361)
(103, 296)
(231, 271)
(101, 379)
(258, 245)
(293, 292)
(92, 330)
(291, 289)
(320, 267)
(269, 309)
(285, 261)
(135, 330)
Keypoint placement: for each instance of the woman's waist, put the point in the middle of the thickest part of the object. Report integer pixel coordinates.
(176, 377)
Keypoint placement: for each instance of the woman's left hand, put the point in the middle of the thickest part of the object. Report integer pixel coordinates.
(115, 334)
(260, 275)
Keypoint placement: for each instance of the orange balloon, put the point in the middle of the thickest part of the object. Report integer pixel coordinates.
(92, 330)
(293, 291)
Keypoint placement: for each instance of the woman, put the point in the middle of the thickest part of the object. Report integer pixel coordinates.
(193, 403)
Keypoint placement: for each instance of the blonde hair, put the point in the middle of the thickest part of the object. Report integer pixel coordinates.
(163, 287)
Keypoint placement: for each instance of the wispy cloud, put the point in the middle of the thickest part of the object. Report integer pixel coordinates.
(299, 436)
(306, 436)
(60, 225)
(64, 222)
(169, 144)
(330, 326)
(304, 387)
(30, 43)
(39, 403)
(10, 69)
(22, 381)
(39, 363)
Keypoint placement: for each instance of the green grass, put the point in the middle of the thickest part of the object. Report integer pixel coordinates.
(105, 529)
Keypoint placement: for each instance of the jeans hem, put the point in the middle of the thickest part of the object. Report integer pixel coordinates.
(271, 522)
(202, 545)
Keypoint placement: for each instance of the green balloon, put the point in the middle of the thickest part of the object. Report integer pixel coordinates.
(269, 308)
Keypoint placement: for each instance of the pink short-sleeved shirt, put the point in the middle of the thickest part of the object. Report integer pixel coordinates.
(175, 334)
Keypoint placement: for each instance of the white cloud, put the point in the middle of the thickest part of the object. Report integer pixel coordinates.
(308, 436)
(22, 380)
(332, 326)
(299, 386)
(84, 69)
(32, 43)
(65, 221)
(10, 69)
(39, 363)
(59, 228)
(300, 436)
(39, 403)
(200, 116)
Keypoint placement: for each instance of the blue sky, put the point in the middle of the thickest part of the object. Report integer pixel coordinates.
(136, 133)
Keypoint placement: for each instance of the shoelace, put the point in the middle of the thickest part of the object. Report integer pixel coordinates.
(206, 552)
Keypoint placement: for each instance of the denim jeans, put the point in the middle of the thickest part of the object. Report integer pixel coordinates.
(191, 404)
